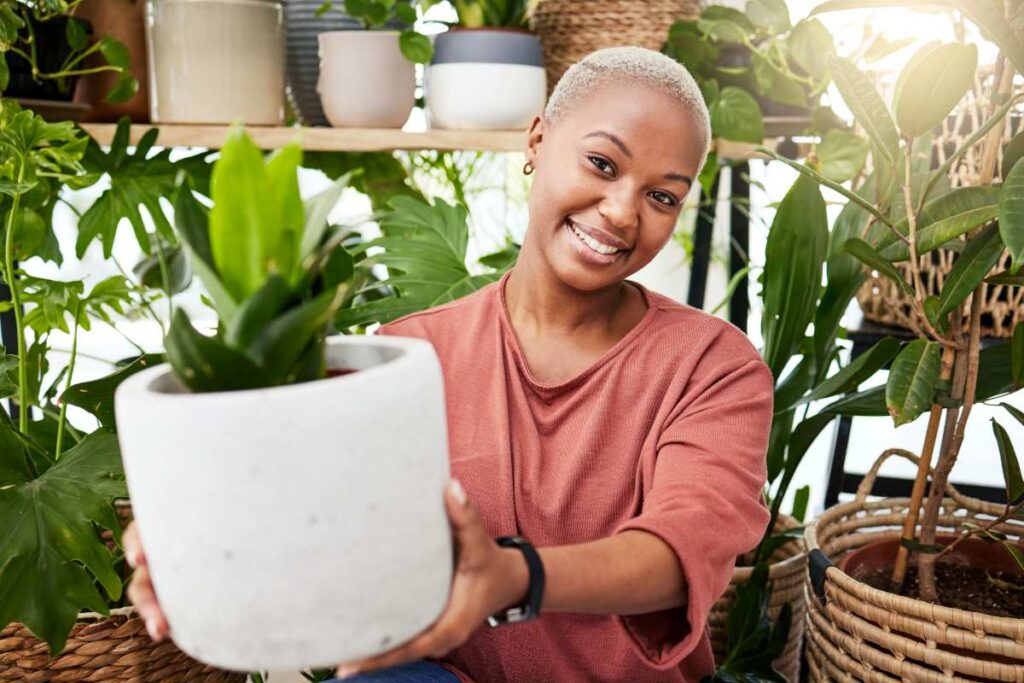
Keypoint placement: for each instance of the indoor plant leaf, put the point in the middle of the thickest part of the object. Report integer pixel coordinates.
(912, 379)
(770, 15)
(842, 155)
(1010, 463)
(193, 223)
(1011, 214)
(795, 255)
(97, 396)
(867, 106)
(866, 254)
(736, 116)
(207, 364)
(279, 347)
(50, 554)
(942, 219)
(808, 43)
(971, 267)
(933, 82)
(860, 369)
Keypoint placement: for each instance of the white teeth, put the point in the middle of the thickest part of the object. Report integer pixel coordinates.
(592, 243)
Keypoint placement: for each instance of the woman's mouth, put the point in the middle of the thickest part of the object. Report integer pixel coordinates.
(589, 248)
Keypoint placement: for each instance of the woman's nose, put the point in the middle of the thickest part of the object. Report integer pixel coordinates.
(619, 209)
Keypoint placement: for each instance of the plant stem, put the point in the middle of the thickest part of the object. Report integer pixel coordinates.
(12, 285)
(1010, 511)
(67, 383)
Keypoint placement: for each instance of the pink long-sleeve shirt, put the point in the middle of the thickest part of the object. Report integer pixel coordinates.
(665, 433)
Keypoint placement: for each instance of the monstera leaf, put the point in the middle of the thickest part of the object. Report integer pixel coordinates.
(51, 556)
(425, 252)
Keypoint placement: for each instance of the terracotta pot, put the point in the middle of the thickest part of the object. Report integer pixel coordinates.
(972, 552)
(125, 21)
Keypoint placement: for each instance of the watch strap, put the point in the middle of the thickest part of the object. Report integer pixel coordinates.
(531, 608)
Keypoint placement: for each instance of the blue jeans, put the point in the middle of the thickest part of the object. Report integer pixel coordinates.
(417, 672)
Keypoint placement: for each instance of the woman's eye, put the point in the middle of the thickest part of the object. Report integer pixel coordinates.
(664, 198)
(602, 164)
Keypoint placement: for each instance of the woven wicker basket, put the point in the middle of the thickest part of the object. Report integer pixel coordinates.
(882, 300)
(859, 633)
(101, 649)
(569, 29)
(786, 573)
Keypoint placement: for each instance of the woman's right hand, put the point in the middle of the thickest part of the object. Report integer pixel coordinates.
(140, 590)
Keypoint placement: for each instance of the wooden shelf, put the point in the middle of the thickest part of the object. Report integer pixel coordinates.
(324, 139)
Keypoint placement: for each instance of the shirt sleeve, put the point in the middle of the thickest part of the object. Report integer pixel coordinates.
(705, 500)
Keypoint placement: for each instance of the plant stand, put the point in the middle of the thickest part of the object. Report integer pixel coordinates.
(859, 633)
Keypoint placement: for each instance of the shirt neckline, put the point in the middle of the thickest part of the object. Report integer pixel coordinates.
(512, 340)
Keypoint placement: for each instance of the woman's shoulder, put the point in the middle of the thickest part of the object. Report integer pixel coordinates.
(454, 314)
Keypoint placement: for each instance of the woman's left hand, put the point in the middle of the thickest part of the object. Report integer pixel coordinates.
(487, 579)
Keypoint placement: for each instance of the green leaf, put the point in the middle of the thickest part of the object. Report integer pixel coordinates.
(1016, 413)
(1006, 278)
(257, 312)
(801, 498)
(807, 45)
(1010, 463)
(8, 374)
(206, 364)
(736, 116)
(179, 271)
(193, 226)
(842, 155)
(74, 33)
(867, 255)
(867, 106)
(1016, 553)
(1016, 347)
(97, 396)
(1011, 214)
(416, 47)
(942, 219)
(860, 369)
(912, 379)
(977, 260)
(5, 74)
(115, 52)
(51, 557)
(1012, 153)
(776, 84)
(770, 15)
(281, 344)
(317, 210)
(725, 24)
(867, 403)
(405, 13)
(933, 82)
(990, 17)
(752, 641)
(687, 45)
(283, 236)
(125, 87)
(795, 254)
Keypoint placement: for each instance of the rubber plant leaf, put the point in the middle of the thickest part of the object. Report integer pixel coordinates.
(1011, 214)
(912, 379)
(933, 82)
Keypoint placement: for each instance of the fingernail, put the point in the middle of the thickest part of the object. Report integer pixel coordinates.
(458, 491)
(151, 626)
(345, 671)
(132, 557)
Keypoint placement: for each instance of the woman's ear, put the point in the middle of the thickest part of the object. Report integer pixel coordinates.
(534, 138)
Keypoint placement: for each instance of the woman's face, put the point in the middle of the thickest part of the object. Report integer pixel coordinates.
(611, 177)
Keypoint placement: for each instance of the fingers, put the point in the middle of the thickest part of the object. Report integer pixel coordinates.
(140, 590)
(467, 525)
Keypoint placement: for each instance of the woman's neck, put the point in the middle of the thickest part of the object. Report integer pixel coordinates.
(538, 301)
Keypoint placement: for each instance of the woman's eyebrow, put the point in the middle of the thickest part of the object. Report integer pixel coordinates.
(680, 177)
(618, 143)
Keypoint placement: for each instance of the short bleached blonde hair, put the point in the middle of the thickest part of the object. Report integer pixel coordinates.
(630, 64)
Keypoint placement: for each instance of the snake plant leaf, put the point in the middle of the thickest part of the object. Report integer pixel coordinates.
(867, 106)
(795, 256)
(942, 219)
(1011, 465)
(193, 223)
(96, 397)
(424, 251)
(257, 312)
(933, 82)
(867, 255)
(138, 182)
(1011, 214)
(912, 379)
(281, 242)
(860, 369)
(207, 364)
(51, 557)
(736, 116)
(977, 260)
(280, 346)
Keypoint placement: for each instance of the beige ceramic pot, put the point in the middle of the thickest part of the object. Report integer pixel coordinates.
(216, 61)
(365, 81)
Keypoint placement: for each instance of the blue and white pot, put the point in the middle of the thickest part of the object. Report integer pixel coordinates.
(485, 79)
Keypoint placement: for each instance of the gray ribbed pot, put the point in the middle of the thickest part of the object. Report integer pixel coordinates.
(485, 79)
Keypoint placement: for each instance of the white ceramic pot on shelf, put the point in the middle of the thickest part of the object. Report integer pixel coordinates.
(216, 61)
(485, 79)
(365, 80)
(297, 526)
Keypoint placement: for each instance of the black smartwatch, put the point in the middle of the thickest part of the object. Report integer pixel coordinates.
(531, 608)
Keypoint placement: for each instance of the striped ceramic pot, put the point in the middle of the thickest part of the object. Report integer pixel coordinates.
(485, 79)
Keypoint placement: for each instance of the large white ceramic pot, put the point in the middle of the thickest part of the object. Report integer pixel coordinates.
(485, 79)
(365, 80)
(298, 526)
(216, 61)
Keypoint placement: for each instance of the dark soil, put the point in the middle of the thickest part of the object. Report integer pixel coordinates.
(962, 587)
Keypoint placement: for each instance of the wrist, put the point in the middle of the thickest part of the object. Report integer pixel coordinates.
(516, 584)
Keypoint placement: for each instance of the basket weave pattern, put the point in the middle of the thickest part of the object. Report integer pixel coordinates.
(865, 634)
(786, 573)
(569, 29)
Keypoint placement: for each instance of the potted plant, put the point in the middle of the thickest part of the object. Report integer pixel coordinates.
(270, 460)
(896, 607)
(216, 61)
(355, 64)
(487, 72)
(43, 52)
(62, 488)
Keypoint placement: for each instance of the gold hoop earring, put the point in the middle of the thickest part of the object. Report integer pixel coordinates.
(528, 168)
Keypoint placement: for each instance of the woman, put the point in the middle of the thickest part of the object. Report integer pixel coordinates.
(622, 434)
